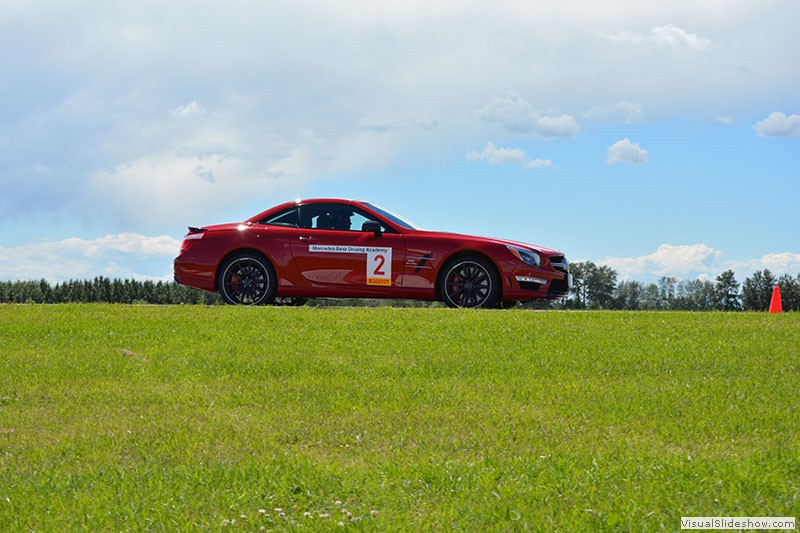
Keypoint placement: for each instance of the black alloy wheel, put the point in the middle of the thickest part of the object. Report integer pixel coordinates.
(470, 281)
(247, 279)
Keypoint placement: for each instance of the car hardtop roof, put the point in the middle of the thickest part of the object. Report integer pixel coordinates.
(304, 201)
(348, 201)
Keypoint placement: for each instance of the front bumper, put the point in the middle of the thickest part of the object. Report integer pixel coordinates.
(544, 283)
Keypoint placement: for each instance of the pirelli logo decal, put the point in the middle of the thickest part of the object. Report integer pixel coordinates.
(379, 260)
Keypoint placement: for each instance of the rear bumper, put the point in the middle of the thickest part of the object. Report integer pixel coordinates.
(189, 273)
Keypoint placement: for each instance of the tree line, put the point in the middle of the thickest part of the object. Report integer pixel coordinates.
(102, 289)
(594, 287)
(598, 287)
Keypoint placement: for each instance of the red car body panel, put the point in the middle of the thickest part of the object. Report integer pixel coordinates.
(399, 262)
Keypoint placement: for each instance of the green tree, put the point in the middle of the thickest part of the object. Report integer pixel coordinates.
(695, 295)
(579, 294)
(593, 286)
(757, 290)
(651, 297)
(727, 292)
(668, 289)
(628, 295)
(603, 284)
(790, 292)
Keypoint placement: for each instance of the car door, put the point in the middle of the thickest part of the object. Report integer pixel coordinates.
(333, 253)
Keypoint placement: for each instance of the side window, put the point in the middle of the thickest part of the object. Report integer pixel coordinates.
(288, 218)
(338, 217)
(316, 216)
(358, 219)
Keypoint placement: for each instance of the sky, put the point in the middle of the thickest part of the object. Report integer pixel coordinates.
(659, 138)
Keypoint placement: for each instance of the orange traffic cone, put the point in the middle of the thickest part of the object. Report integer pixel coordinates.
(775, 304)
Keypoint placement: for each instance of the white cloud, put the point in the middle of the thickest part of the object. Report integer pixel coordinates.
(503, 156)
(188, 110)
(166, 187)
(666, 36)
(668, 260)
(208, 170)
(498, 156)
(376, 126)
(625, 112)
(537, 163)
(777, 263)
(777, 124)
(697, 261)
(205, 174)
(671, 36)
(145, 258)
(373, 125)
(517, 116)
(427, 122)
(625, 151)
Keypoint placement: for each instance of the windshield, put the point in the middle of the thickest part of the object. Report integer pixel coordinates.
(397, 219)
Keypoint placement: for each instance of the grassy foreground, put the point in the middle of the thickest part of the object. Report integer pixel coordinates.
(192, 418)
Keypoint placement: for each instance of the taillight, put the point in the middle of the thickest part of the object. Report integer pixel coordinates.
(187, 241)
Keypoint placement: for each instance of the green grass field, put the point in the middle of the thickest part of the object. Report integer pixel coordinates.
(116, 418)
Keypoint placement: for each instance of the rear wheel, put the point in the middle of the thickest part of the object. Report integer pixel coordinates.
(470, 281)
(247, 279)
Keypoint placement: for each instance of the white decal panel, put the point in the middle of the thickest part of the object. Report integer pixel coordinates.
(379, 267)
(379, 260)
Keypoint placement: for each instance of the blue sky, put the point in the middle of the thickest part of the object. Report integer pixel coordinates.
(660, 138)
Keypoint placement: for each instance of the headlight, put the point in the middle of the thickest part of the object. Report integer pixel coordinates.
(528, 257)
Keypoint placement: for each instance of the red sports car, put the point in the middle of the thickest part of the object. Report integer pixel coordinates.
(353, 249)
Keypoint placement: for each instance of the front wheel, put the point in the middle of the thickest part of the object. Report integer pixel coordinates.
(247, 279)
(470, 281)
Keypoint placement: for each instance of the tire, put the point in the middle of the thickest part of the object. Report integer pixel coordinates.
(469, 281)
(247, 279)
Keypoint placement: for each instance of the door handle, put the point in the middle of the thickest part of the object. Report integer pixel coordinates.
(308, 239)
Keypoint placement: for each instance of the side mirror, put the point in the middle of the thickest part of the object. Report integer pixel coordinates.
(371, 225)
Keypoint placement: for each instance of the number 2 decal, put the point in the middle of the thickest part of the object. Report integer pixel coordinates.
(378, 269)
(377, 262)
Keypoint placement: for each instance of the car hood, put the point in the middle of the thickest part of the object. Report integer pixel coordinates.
(491, 240)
